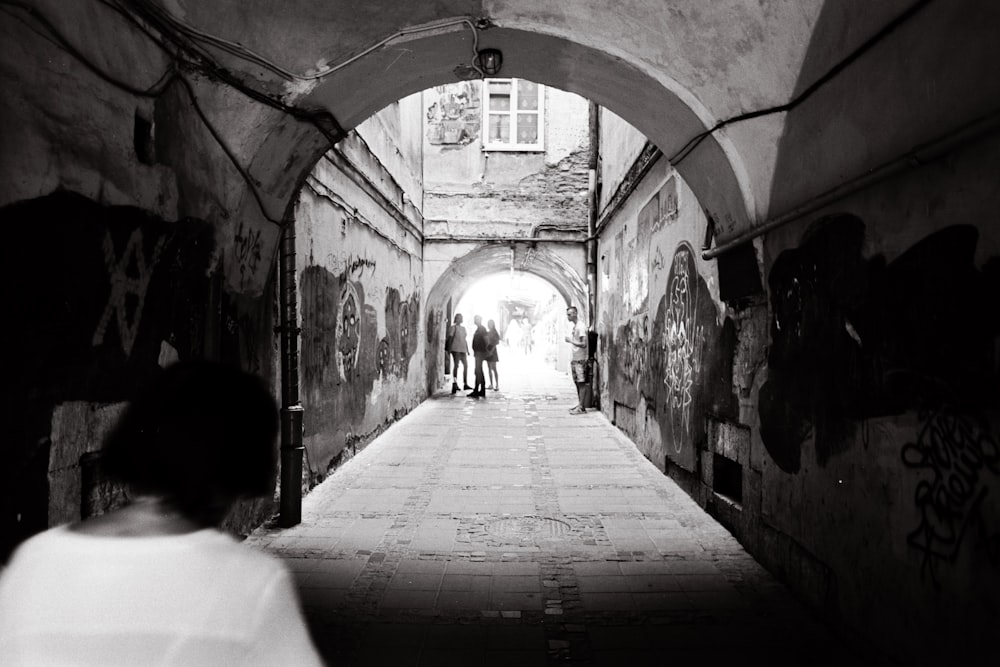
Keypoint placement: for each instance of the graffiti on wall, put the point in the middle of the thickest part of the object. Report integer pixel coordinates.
(348, 330)
(358, 265)
(342, 353)
(854, 338)
(454, 115)
(681, 341)
(129, 275)
(396, 348)
(679, 362)
(97, 293)
(246, 251)
(119, 282)
(690, 365)
(960, 454)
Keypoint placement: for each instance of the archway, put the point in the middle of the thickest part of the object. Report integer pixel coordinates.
(563, 268)
(282, 149)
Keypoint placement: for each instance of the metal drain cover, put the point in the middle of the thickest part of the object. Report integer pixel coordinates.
(528, 527)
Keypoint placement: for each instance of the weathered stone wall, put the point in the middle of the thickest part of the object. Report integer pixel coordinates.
(849, 435)
(876, 431)
(663, 334)
(359, 268)
(472, 192)
(123, 247)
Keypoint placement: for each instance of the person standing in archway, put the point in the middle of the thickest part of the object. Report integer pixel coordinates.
(479, 346)
(492, 340)
(527, 344)
(458, 346)
(578, 362)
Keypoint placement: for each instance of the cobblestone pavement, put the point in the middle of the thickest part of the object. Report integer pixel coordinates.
(505, 531)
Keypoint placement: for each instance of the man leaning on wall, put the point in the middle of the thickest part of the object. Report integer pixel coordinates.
(578, 365)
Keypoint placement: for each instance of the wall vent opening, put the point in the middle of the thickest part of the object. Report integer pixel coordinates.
(727, 479)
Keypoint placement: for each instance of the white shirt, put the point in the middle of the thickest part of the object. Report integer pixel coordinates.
(194, 599)
(579, 335)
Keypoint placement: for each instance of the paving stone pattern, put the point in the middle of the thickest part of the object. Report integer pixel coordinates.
(505, 531)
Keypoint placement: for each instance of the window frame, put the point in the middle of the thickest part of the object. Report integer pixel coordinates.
(488, 144)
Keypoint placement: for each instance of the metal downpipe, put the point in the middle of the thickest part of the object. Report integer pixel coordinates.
(592, 197)
(292, 449)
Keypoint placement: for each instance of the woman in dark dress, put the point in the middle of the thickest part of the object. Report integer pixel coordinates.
(492, 340)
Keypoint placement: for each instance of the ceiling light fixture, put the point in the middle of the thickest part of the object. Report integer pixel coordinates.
(490, 61)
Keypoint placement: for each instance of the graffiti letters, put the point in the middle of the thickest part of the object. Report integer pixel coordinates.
(246, 250)
(359, 264)
(634, 349)
(958, 452)
(130, 276)
(680, 343)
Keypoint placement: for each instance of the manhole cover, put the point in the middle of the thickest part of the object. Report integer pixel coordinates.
(528, 527)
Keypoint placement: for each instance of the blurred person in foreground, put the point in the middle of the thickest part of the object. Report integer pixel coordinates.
(156, 581)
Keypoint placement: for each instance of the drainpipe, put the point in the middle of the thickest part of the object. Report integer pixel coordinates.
(291, 409)
(591, 244)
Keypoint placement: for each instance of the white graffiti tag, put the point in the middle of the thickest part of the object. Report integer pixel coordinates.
(679, 343)
(125, 285)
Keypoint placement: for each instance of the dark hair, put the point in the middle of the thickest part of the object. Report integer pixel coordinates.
(200, 434)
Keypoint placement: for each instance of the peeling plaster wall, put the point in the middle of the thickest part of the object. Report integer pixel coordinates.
(620, 145)
(359, 267)
(123, 250)
(850, 437)
(119, 294)
(392, 138)
(502, 193)
(665, 340)
(879, 454)
(892, 507)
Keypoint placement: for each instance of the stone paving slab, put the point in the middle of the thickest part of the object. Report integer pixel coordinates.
(505, 531)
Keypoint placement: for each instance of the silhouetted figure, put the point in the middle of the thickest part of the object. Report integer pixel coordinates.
(578, 365)
(458, 345)
(479, 349)
(492, 357)
(156, 582)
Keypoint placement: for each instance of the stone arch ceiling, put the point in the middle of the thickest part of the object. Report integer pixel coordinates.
(491, 259)
(670, 67)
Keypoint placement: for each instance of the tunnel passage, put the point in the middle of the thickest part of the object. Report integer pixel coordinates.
(562, 267)
(234, 139)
